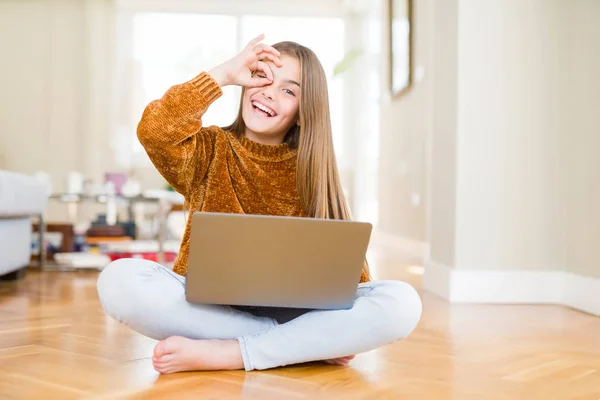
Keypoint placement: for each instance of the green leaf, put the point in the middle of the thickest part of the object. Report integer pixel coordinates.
(347, 62)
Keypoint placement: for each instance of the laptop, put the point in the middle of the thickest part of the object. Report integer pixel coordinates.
(274, 261)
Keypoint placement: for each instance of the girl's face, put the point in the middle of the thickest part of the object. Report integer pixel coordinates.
(270, 111)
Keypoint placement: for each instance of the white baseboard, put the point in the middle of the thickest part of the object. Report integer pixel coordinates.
(524, 287)
(437, 279)
(582, 293)
(399, 244)
(513, 287)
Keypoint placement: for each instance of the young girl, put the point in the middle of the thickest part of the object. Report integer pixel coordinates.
(277, 158)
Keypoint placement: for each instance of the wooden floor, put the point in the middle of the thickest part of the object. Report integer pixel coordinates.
(56, 343)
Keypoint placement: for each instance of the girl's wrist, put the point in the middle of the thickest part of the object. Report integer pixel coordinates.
(219, 75)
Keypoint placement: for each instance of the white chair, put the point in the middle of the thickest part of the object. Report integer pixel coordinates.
(21, 197)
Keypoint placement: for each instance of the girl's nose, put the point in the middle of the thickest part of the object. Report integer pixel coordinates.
(267, 92)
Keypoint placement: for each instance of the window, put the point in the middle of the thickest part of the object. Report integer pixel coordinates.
(168, 49)
(329, 49)
(171, 48)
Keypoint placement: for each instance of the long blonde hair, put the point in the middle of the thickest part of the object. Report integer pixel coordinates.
(317, 178)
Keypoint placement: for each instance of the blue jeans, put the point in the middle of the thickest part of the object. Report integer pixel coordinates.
(150, 299)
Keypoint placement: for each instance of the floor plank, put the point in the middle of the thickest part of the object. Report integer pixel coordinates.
(56, 342)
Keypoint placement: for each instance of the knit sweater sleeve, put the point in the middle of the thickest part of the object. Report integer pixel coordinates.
(172, 134)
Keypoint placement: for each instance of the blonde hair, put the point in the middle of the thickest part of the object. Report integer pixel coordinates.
(317, 178)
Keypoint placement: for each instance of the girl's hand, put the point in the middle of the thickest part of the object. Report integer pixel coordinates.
(248, 67)
(341, 360)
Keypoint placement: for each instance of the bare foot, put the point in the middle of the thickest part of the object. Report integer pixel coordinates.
(176, 354)
(341, 360)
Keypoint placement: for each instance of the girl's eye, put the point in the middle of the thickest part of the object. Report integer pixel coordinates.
(261, 76)
(288, 91)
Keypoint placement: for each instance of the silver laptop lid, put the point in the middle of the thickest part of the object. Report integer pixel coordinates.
(239, 259)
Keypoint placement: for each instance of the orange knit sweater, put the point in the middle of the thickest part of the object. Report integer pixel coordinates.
(213, 169)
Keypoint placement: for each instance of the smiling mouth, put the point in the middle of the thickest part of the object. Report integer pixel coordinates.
(262, 109)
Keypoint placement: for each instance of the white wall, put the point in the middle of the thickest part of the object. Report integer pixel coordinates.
(528, 151)
(42, 49)
(55, 105)
(580, 145)
(406, 126)
(508, 194)
(441, 215)
(515, 153)
(56, 112)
